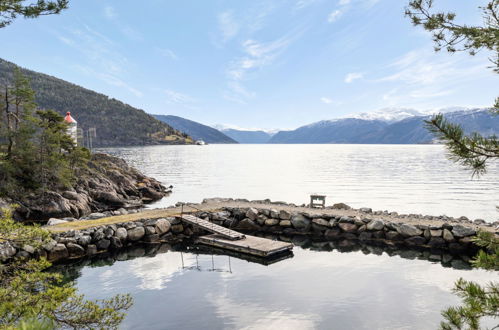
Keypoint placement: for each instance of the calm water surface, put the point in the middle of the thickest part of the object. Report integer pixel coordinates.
(402, 178)
(313, 289)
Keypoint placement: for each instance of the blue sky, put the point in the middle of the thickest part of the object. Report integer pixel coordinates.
(251, 63)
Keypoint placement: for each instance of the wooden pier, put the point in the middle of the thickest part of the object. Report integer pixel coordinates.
(228, 239)
(211, 227)
(261, 247)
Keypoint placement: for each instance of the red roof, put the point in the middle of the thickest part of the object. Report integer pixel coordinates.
(68, 118)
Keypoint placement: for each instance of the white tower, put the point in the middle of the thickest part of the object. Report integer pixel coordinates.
(73, 127)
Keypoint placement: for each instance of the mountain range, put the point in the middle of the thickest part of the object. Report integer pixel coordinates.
(387, 129)
(247, 136)
(115, 123)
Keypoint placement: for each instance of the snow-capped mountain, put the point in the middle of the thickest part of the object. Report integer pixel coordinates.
(388, 126)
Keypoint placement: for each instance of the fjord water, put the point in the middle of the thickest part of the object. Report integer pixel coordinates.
(403, 178)
(315, 289)
(319, 287)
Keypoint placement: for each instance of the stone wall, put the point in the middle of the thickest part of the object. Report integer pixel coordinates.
(451, 238)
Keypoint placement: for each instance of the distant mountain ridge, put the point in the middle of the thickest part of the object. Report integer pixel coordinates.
(116, 123)
(196, 130)
(247, 136)
(389, 130)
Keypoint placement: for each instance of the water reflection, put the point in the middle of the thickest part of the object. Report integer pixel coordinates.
(338, 284)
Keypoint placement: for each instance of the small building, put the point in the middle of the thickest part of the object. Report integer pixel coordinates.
(73, 127)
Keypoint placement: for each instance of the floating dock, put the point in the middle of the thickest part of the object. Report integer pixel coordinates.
(229, 239)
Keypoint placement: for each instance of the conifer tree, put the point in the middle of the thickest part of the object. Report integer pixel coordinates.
(475, 150)
(11, 9)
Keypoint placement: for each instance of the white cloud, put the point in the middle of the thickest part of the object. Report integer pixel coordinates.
(256, 56)
(177, 98)
(344, 2)
(228, 25)
(334, 15)
(351, 77)
(326, 100)
(167, 53)
(110, 12)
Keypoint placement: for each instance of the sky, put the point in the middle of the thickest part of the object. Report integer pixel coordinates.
(270, 64)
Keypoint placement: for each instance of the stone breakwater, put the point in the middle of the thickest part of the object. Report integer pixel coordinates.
(283, 220)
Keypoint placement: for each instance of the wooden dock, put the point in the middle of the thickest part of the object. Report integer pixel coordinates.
(211, 227)
(257, 246)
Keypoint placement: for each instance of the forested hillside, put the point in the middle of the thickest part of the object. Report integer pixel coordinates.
(196, 130)
(115, 123)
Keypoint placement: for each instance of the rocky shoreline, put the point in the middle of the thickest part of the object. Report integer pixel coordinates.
(286, 221)
(107, 184)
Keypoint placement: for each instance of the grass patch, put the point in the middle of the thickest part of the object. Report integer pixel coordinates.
(148, 214)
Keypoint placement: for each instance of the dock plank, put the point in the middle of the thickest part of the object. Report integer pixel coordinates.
(257, 246)
(211, 227)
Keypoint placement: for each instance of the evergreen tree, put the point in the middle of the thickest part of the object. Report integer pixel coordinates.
(33, 298)
(475, 150)
(10, 9)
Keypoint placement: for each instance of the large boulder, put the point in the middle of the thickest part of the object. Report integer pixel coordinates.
(136, 233)
(252, 213)
(121, 234)
(284, 215)
(247, 224)
(75, 250)
(300, 222)
(462, 231)
(407, 230)
(375, 225)
(162, 226)
(348, 227)
(58, 252)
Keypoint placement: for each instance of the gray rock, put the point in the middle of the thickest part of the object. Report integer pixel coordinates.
(29, 249)
(162, 226)
(96, 215)
(122, 211)
(59, 252)
(348, 227)
(247, 224)
(340, 206)
(366, 210)
(447, 235)
(103, 244)
(116, 243)
(108, 232)
(121, 233)
(320, 222)
(252, 213)
(274, 213)
(462, 231)
(54, 221)
(7, 251)
(284, 215)
(136, 234)
(437, 242)
(435, 232)
(49, 245)
(415, 241)
(75, 250)
(271, 222)
(285, 223)
(150, 230)
(407, 230)
(346, 219)
(91, 250)
(300, 222)
(393, 236)
(332, 233)
(177, 228)
(84, 240)
(150, 222)
(375, 225)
